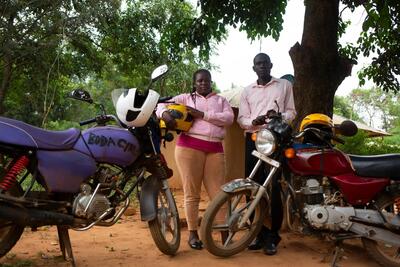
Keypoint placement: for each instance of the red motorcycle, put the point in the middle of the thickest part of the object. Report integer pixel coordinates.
(327, 192)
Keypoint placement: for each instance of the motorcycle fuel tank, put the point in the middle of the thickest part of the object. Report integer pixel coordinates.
(336, 165)
(315, 161)
(109, 144)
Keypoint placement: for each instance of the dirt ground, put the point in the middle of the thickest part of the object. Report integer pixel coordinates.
(129, 243)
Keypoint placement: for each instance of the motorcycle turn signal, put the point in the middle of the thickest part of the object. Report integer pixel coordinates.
(290, 153)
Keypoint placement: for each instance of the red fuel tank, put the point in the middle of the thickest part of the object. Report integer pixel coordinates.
(315, 161)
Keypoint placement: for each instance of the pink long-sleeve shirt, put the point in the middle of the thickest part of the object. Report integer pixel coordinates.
(256, 100)
(217, 114)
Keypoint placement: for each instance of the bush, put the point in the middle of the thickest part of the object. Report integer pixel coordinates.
(361, 144)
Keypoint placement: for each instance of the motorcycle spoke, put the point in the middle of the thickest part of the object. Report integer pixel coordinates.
(241, 209)
(163, 228)
(397, 255)
(162, 203)
(229, 239)
(236, 202)
(169, 229)
(220, 227)
(166, 226)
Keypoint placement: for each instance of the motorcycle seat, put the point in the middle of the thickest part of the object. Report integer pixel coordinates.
(377, 166)
(19, 133)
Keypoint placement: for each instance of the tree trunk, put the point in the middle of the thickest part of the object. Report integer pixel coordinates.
(7, 65)
(5, 83)
(318, 68)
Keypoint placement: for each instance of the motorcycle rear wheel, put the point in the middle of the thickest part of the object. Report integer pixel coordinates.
(165, 228)
(10, 233)
(225, 238)
(385, 254)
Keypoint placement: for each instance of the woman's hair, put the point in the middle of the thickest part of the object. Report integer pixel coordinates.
(192, 94)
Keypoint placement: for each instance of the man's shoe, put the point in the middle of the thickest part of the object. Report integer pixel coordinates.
(270, 249)
(256, 244)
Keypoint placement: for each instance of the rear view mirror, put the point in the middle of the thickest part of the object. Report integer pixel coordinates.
(347, 128)
(159, 72)
(80, 94)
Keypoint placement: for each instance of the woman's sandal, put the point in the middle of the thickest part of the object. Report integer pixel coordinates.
(195, 244)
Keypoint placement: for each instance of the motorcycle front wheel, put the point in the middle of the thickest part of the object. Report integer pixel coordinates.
(9, 232)
(385, 254)
(220, 231)
(165, 228)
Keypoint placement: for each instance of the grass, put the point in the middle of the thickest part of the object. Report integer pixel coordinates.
(19, 263)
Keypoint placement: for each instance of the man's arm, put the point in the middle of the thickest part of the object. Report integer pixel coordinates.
(244, 117)
(290, 110)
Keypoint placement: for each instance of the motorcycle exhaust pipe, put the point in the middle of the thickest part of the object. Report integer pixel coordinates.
(34, 217)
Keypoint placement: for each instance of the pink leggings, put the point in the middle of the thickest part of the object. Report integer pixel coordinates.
(196, 167)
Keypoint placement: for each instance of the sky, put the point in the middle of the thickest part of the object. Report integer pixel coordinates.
(235, 55)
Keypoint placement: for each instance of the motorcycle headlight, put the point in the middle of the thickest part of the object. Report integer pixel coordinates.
(265, 142)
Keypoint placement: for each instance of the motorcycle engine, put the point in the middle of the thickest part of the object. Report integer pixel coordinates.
(99, 204)
(329, 217)
(313, 192)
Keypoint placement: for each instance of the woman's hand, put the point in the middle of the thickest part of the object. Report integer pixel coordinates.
(195, 113)
(170, 122)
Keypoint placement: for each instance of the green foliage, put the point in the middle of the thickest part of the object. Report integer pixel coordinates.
(52, 47)
(380, 37)
(377, 104)
(343, 107)
(395, 138)
(151, 33)
(44, 45)
(380, 34)
(19, 263)
(257, 18)
(360, 144)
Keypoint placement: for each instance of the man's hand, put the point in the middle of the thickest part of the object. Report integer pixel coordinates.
(170, 122)
(260, 120)
(271, 113)
(195, 113)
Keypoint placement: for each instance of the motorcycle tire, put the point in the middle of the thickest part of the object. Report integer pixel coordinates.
(227, 239)
(165, 228)
(10, 234)
(377, 250)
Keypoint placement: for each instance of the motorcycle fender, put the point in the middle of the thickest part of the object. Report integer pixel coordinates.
(148, 198)
(238, 185)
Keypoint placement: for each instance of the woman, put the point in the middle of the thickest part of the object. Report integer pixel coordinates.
(199, 153)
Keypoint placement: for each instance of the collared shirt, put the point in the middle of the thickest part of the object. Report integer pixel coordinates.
(256, 100)
(217, 114)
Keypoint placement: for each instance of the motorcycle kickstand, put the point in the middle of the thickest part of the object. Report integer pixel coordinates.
(65, 244)
(337, 253)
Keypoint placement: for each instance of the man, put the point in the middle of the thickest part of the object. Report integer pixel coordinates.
(267, 94)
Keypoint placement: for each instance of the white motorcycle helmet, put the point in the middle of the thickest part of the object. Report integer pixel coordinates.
(134, 109)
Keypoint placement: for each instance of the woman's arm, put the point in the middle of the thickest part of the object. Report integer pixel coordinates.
(220, 118)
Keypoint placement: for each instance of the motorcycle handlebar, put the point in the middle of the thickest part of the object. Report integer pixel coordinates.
(85, 122)
(100, 119)
(319, 133)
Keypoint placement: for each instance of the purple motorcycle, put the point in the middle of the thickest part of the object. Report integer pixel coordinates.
(79, 179)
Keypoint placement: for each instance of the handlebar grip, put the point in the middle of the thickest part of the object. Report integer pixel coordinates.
(81, 123)
(164, 99)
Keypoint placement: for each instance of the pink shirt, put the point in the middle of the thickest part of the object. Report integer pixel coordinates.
(217, 114)
(256, 100)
